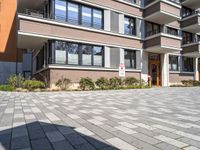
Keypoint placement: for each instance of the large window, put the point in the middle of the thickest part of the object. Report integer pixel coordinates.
(172, 31)
(73, 54)
(78, 54)
(152, 28)
(72, 13)
(130, 26)
(187, 38)
(173, 63)
(130, 59)
(78, 14)
(60, 10)
(60, 52)
(86, 55)
(98, 55)
(188, 64)
(97, 19)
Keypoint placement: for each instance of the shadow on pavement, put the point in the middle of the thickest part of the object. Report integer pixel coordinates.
(46, 136)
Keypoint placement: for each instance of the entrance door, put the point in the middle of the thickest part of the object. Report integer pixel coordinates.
(154, 71)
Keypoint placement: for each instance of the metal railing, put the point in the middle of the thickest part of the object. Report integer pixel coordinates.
(34, 13)
(193, 40)
(137, 2)
(61, 18)
(195, 12)
(147, 2)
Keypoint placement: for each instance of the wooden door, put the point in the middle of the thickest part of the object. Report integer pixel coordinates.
(154, 72)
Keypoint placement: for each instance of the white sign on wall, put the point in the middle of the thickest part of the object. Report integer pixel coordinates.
(122, 70)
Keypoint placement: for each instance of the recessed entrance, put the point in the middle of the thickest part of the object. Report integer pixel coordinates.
(154, 69)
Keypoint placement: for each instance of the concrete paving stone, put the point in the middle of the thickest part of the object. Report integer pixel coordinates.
(120, 144)
(41, 144)
(84, 146)
(5, 138)
(168, 134)
(146, 138)
(62, 145)
(55, 136)
(166, 146)
(75, 139)
(20, 143)
(190, 142)
(171, 141)
(36, 134)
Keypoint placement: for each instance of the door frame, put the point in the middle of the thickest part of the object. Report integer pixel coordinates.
(158, 73)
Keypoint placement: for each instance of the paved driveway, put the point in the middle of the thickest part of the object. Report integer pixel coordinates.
(150, 119)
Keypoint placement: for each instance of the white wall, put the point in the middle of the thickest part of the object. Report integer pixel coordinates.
(7, 69)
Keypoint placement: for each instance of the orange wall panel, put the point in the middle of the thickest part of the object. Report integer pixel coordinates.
(8, 30)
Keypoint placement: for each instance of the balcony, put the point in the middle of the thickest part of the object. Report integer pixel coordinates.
(162, 11)
(191, 23)
(35, 28)
(192, 48)
(162, 42)
(191, 3)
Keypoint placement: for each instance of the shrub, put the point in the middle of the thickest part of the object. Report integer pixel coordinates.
(63, 83)
(115, 82)
(102, 83)
(16, 80)
(6, 88)
(189, 83)
(33, 84)
(86, 84)
(131, 81)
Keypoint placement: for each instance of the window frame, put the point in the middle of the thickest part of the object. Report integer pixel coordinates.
(131, 58)
(132, 31)
(190, 63)
(171, 62)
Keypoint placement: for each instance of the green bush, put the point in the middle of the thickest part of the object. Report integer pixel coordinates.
(33, 84)
(6, 88)
(63, 83)
(102, 83)
(189, 83)
(131, 81)
(115, 82)
(16, 80)
(86, 84)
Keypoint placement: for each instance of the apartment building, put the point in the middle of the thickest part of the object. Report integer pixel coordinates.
(156, 40)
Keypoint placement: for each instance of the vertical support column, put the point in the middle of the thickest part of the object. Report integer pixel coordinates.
(107, 57)
(138, 60)
(165, 69)
(139, 27)
(145, 64)
(121, 51)
(107, 20)
(121, 23)
(196, 69)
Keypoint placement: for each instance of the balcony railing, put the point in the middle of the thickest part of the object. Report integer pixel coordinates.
(154, 32)
(191, 41)
(137, 2)
(195, 12)
(147, 2)
(61, 18)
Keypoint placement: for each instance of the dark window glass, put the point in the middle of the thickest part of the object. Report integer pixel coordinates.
(172, 31)
(129, 26)
(186, 12)
(130, 59)
(97, 55)
(152, 29)
(40, 59)
(188, 64)
(60, 52)
(60, 10)
(86, 16)
(73, 54)
(73, 13)
(187, 38)
(173, 63)
(97, 19)
(86, 55)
